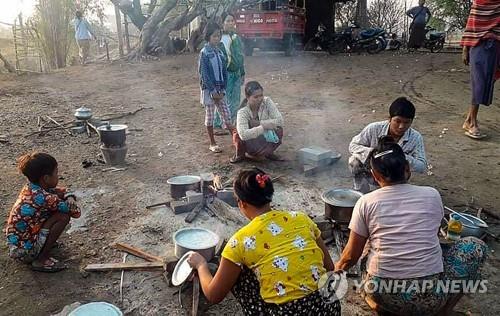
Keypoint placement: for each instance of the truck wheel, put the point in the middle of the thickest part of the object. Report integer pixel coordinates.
(248, 48)
(289, 45)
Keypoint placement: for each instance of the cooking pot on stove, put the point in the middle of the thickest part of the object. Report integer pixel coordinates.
(112, 134)
(83, 114)
(181, 184)
(339, 204)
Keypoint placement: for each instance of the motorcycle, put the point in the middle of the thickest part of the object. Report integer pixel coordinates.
(393, 43)
(352, 39)
(434, 41)
(321, 40)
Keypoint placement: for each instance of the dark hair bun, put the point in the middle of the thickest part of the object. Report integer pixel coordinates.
(254, 187)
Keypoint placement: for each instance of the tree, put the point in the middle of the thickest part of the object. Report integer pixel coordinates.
(362, 13)
(345, 13)
(452, 13)
(386, 14)
(171, 15)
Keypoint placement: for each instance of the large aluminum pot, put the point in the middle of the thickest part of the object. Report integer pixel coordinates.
(181, 184)
(339, 204)
(112, 134)
(196, 239)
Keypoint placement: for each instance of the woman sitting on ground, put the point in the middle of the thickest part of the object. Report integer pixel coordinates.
(259, 126)
(273, 264)
(401, 221)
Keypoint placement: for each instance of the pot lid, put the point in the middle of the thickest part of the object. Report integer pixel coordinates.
(112, 128)
(182, 270)
(184, 180)
(196, 238)
(341, 197)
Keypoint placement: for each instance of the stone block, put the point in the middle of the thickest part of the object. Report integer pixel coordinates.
(180, 207)
(315, 153)
(194, 197)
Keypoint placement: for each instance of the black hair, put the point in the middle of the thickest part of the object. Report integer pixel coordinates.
(79, 14)
(252, 190)
(389, 160)
(36, 165)
(250, 88)
(210, 29)
(402, 107)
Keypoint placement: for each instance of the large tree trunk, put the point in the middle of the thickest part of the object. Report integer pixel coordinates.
(151, 25)
(362, 13)
(133, 10)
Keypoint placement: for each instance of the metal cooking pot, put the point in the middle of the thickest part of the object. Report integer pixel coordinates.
(181, 184)
(339, 204)
(113, 135)
(83, 113)
(468, 229)
(196, 239)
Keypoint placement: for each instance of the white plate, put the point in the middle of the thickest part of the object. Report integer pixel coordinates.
(182, 270)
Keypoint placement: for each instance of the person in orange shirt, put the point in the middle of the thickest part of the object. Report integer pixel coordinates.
(40, 213)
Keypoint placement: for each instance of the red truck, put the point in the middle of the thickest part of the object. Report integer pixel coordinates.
(272, 25)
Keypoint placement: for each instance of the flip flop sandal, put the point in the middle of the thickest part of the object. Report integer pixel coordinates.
(215, 149)
(477, 135)
(236, 159)
(56, 266)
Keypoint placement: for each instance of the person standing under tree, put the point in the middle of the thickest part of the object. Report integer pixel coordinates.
(83, 36)
(421, 16)
(481, 42)
(232, 47)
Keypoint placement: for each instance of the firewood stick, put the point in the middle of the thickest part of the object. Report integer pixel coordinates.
(57, 123)
(101, 267)
(136, 252)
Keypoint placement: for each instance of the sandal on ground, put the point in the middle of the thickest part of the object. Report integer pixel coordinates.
(215, 149)
(274, 157)
(474, 134)
(236, 159)
(50, 265)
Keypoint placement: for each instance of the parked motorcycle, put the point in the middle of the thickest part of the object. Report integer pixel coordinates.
(321, 40)
(393, 43)
(352, 39)
(434, 41)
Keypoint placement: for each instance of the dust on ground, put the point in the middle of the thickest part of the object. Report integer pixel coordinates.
(325, 101)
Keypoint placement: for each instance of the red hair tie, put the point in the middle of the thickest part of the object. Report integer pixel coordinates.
(262, 179)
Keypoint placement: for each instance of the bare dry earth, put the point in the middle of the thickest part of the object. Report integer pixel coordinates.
(326, 100)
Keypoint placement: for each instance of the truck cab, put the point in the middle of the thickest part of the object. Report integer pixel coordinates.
(272, 25)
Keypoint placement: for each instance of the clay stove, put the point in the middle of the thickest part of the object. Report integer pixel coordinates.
(113, 143)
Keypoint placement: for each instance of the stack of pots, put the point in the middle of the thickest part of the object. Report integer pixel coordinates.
(113, 146)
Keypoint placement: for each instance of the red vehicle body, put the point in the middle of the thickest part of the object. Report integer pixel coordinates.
(272, 25)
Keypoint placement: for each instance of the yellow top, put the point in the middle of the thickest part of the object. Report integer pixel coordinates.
(280, 247)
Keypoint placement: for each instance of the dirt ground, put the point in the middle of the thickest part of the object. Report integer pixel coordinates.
(325, 101)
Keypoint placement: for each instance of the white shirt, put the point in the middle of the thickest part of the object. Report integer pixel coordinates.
(401, 223)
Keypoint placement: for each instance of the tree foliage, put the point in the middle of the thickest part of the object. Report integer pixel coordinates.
(345, 13)
(452, 13)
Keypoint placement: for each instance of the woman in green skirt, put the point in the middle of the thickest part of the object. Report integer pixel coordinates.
(232, 47)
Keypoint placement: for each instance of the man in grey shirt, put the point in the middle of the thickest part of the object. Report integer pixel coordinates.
(421, 16)
(398, 126)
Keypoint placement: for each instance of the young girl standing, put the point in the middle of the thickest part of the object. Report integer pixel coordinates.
(213, 81)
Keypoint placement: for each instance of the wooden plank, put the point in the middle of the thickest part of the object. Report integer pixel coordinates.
(137, 252)
(128, 266)
(225, 211)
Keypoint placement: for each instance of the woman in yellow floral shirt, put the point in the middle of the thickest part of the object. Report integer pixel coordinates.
(274, 263)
